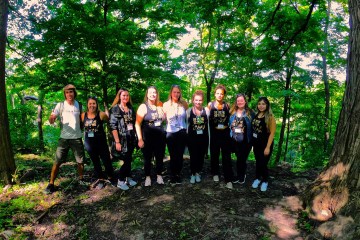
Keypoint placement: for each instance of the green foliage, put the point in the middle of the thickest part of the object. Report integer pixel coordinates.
(10, 208)
(23, 128)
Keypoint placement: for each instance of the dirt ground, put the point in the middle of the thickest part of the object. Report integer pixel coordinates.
(205, 210)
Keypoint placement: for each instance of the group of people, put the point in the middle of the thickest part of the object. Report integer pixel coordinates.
(174, 124)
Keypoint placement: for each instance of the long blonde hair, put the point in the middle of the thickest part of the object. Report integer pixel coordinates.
(117, 98)
(181, 100)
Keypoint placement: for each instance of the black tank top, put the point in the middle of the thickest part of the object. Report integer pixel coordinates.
(198, 125)
(219, 118)
(260, 131)
(152, 118)
(94, 125)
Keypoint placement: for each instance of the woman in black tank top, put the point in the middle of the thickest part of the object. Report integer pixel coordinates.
(95, 139)
(151, 134)
(220, 140)
(264, 127)
(198, 136)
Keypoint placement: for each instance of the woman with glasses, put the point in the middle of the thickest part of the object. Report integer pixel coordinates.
(264, 127)
(151, 134)
(198, 136)
(241, 134)
(220, 137)
(175, 112)
(95, 139)
(122, 125)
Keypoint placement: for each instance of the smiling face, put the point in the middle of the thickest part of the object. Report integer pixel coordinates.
(124, 97)
(240, 102)
(69, 95)
(175, 94)
(261, 106)
(151, 94)
(92, 105)
(219, 95)
(198, 101)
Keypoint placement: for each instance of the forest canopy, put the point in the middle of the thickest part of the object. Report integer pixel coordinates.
(293, 53)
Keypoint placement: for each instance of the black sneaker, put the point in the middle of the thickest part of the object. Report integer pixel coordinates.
(49, 189)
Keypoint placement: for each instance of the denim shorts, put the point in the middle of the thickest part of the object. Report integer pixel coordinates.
(77, 147)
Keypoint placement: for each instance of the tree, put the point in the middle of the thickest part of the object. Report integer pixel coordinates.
(339, 181)
(7, 163)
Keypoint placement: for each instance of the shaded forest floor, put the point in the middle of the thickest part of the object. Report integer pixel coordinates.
(205, 210)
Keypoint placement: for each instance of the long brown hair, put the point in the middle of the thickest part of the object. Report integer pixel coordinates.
(117, 98)
(268, 112)
(157, 100)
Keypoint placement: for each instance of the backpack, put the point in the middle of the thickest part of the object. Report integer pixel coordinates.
(62, 109)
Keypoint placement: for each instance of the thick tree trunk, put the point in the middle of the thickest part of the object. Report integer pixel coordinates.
(7, 163)
(333, 188)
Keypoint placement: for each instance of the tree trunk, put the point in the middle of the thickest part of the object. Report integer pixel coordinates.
(284, 115)
(340, 179)
(7, 163)
(326, 81)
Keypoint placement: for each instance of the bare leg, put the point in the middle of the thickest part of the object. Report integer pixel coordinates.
(80, 168)
(54, 172)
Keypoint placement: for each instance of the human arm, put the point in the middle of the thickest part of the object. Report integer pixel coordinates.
(54, 114)
(140, 114)
(272, 130)
(103, 116)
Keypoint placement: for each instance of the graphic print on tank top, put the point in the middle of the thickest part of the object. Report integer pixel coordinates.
(219, 117)
(198, 123)
(238, 128)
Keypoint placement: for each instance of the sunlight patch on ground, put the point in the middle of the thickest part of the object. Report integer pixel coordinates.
(283, 222)
(160, 199)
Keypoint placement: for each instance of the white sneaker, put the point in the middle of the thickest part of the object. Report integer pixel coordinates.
(131, 182)
(192, 179)
(216, 178)
(197, 178)
(256, 183)
(229, 185)
(147, 182)
(122, 185)
(264, 186)
(160, 180)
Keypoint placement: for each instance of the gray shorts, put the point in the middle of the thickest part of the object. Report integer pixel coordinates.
(63, 147)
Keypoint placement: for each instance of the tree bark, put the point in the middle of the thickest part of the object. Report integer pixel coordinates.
(326, 81)
(332, 190)
(285, 112)
(7, 163)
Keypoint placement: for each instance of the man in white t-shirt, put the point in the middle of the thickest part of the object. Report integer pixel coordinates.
(69, 113)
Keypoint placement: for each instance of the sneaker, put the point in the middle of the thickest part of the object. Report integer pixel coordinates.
(131, 182)
(216, 178)
(264, 186)
(235, 181)
(256, 183)
(178, 180)
(100, 185)
(175, 180)
(49, 189)
(242, 180)
(197, 178)
(160, 180)
(192, 179)
(147, 182)
(229, 185)
(122, 185)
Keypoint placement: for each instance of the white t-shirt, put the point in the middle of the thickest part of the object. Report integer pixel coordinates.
(175, 117)
(70, 120)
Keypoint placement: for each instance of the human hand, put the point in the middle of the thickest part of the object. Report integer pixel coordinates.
(118, 146)
(141, 143)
